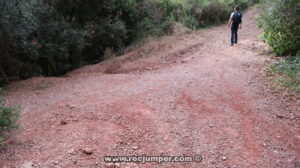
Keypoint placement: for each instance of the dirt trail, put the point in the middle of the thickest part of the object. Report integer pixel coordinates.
(187, 95)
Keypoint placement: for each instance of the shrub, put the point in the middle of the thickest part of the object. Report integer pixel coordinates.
(190, 21)
(243, 4)
(109, 53)
(215, 12)
(281, 24)
(8, 118)
(252, 2)
(200, 13)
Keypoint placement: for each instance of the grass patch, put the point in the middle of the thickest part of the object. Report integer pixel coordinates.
(42, 86)
(287, 73)
(8, 117)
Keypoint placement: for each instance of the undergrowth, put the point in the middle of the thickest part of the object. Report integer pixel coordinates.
(287, 73)
(8, 117)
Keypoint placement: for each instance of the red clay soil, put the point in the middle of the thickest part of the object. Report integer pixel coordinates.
(183, 95)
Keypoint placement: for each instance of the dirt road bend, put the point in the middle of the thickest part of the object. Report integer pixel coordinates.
(182, 95)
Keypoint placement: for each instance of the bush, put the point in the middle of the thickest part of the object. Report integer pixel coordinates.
(281, 24)
(243, 4)
(200, 13)
(109, 53)
(190, 21)
(214, 13)
(8, 118)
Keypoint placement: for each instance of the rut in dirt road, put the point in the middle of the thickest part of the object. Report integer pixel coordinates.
(194, 94)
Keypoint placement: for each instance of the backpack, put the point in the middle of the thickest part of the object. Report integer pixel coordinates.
(236, 18)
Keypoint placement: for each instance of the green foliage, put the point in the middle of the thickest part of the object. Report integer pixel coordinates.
(243, 4)
(281, 26)
(109, 53)
(8, 118)
(52, 37)
(200, 13)
(215, 12)
(190, 22)
(288, 71)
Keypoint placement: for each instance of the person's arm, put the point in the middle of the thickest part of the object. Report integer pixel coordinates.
(230, 20)
(241, 22)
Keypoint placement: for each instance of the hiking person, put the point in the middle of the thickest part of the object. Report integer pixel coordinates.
(235, 22)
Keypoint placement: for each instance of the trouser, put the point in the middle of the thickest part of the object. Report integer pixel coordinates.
(234, 35)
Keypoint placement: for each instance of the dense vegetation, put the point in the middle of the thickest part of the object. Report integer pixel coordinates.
(280, 22)
(52, 37)
(281, 26)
